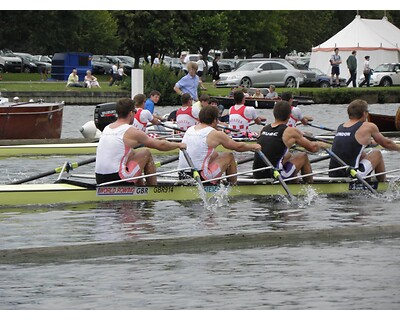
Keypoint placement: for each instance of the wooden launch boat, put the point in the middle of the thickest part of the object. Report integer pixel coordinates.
(31, 120)
(386, 123)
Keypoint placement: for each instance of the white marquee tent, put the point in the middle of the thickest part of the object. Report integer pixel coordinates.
(378, 39)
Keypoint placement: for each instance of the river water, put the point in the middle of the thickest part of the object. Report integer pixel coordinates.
(319, 274)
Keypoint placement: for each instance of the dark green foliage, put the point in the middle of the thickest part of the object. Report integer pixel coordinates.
(161, 79)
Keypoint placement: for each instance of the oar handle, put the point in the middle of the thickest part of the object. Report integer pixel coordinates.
(228, 128)
(196, 174)
(320, 127)
(353, 172)
(173, 128)
(161, 163)
(276, 173)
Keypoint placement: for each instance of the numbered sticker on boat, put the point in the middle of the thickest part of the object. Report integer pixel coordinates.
(121, 190)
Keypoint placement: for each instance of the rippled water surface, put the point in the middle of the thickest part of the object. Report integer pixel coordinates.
(358, 274)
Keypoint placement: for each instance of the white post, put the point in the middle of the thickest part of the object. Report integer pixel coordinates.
(136, 81)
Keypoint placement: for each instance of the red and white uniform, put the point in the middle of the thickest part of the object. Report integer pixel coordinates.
(186, 117)
(200, 153)
(112, 154)
(295, 116)
(142, 117)
(240, 117)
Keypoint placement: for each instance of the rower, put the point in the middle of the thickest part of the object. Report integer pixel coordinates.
(240, 116)
(142, 116)
(115, 158)
(186, 116)
(276, 139)
(351, 139)
(296, 114)
(201, 141)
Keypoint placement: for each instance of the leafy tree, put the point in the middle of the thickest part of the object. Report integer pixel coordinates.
(253, 32)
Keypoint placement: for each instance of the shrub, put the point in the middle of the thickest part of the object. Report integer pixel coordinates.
(161, 79)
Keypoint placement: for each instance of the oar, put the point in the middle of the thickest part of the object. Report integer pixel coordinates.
(277, 175)
(196, 174)
(320, 127)
(161, 163)
(320, 159)
(58, 169)
(227, 128)
(353, 172)
(169, 127)
(54, 171)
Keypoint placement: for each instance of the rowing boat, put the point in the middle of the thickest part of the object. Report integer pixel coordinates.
(83, 148)
(69, 191)
(386, 123)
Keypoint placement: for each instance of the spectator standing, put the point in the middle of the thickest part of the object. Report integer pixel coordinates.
(73, 79)
(335, 62)
(352, 66)
(184, 60)
(114, 74)
(367, 72)
(156, 61)
(200, 70)
(91, 80)
(189, 83)
(42, 71)
(215, 74)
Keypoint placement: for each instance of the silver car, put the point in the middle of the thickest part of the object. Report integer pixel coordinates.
(385, 75)
(261, 74)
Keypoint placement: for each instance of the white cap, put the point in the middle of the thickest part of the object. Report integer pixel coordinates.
(16, 98)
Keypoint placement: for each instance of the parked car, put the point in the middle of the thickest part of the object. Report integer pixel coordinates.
(44, 61)
(28, 62)
(324, 80)
(310, 77)
(41, 58)
(9, 62)
(224, 66)
(261, 74)
(102, 64)
(385, 75)
(173, 63)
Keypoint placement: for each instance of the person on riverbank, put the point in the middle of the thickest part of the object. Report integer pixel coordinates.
(352, 66)
(367, 72)
(215, 73)
(335, 61)
(202, 140)
(142, 116)
(115, 158)
(240, 116)
(73, 79)
(189, 83)
(91, 80)
(351, 139)
(276, 139)
(272, 94)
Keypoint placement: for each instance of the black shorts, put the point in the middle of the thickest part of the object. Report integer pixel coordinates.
(335, 70)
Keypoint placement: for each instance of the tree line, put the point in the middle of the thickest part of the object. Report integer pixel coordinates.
(141, 33)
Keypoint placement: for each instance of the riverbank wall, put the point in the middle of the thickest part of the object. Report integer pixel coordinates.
(320, 96)
(69, 97)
